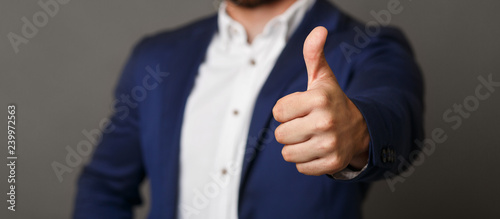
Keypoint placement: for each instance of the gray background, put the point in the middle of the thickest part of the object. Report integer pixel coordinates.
(62, 81)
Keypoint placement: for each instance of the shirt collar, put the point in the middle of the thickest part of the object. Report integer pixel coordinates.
(284, 24)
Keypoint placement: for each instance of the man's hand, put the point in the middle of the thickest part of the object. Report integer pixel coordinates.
(322, 130)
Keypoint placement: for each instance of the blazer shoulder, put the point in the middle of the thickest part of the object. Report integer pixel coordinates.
(356, 38)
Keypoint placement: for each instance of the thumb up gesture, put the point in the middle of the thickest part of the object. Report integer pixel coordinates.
(322, 130)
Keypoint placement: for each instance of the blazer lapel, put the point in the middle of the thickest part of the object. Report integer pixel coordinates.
(183, 68)
(288, 67)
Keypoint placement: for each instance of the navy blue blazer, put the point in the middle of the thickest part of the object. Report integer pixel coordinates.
(381, 77)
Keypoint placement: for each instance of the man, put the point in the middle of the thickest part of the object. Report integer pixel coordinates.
(268, 110)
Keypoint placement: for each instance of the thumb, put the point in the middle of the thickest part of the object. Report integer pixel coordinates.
(316, 64)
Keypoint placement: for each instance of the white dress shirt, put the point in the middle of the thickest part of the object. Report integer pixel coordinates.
(219, 110)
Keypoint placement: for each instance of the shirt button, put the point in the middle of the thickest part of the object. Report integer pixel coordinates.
(252, 62)
(224, 171)
(235, 112)
(233, 30)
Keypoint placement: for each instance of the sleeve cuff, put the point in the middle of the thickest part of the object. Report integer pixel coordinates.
(347, 173)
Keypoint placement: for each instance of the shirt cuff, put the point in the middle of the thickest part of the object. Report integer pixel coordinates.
(347, 173)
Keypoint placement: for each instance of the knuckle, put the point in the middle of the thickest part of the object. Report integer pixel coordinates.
(278, 111)
(279, 134)
(301, 168)
(326, 145)
(334, 163)
(331, 142)
(321, 99)
(323, 148)
(286, 154)
(325, 124)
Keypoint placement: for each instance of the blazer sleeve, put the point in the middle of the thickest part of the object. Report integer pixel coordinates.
(387, 87)
(108, 187)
